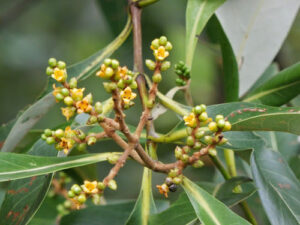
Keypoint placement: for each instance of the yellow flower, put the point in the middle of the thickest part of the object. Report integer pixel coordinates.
(190, 120)
(69, 133)
(68, 112)
(101, 72)
(66, 144)
(161, 53)
(77, 93)
(59, 75)
(127, 95)
(83, 106)
(56, 90)
(90, 187)
(163, 189)
(122, 72)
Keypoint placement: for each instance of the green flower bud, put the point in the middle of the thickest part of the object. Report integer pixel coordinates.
(168, 181)
(92, 140)
(49, 71)
(107, 62)
(59, 97)
(112, 185)
(109, 72)
(223, 141)
(48, 132)
(178, 152)
(73, 82)
(61, 209)
(89, 98)
(198, 164)
(155, 43)
(67, 204)
(212, 126)
(177, 180)
(190, 141)
(227, 126)
(61, 65)
(58, 147)
(128, 80)
(93, 120)
(113, 159)
(68, 101)
(76, 189)
(96, 199)
(199, 134)
(150, 64)
(121, 84)
(59, 133)
(221, 123)
(65, 92)
(71, 194)
(100, 118)
(81, 198)
(203, 107)
(208, 140)
(189, 130)
(133, 85)
(203, 117)
(197, 146)
(81, 147)
(212, 152)
(43, 136)
(163, 40)
(219, 117)
(80, 134)
(178, 72)
(173, 172)
(52, 62)
(165, 65)
(179, 82)
(186, 149)
(156, 78)
(197, 109)
(168, 46)
(50, 140)
(106, 86)
(185, 158)
(101, 186)
(98, 107)
(115, 64)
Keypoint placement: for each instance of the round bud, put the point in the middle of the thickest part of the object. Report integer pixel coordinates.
(155, 43)
(197, 146)
(92, 140)
(59, 133)
(121, 84)
(186, 149)
(73, 82)
(168, 46)
(213, 126)
(107, 62)
(96, 199)
(133, 85)
(100, 118)
(156, 78)
(163, 40)
(113, 159)
(81, 198)
(65, 91)
(101, 186)
(165, 65)
(81, 147)
(71, 194)
(208, 140)
(52, 62)
(178, 152)
(223, 141)
(197, 109)
(219, 117)
(198, 164)
(150, 64)
(92, 120)
(115, 64)
(212, 152)
(106, 86)
(68, 101)
(67, 204)
(98, 107)
(189, 130)
(221, 123)
(58, 147)
(59, 97)
(49, 71)
(199, 134)
(48, 132)
(112, 185)
(109, 72)
(173, 172)
(50, 140)
(61, 65)
(177, 180)
(203, 117)
(185, 158)
(173, 187)
(80, 134)
(203, 107)
(76, 189)
(168, 181)
(227, 126)
(61, 209)
(43, 136)
(190, 141)
(178, 72)
(128, 80)
(179, 82)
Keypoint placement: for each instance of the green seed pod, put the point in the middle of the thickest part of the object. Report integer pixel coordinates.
(43, 136)
(133, 85)
(168, 46)
(177, 180)
(173, 172)
(65, 92)
(68, 101)
(50, 140)
(48, 132)
(219, 117)
(101, 186)
(107, 62)
(49, 71)
(197, 146)
(227, 126)
(156, 78)
(221, 123)
(109, 72)
(52, 62)
(178, 152)
(203, 117)
(197, 109)
(190, 141)
(150, 64)
(179, 82)
(212, 126)
(76, 189)
(61, 65)
(92, 140)
(71, 194)
(198, 164)
(98, 107)
(115, 64)
(165, 65)
(81, 147)
(121, 84)
(163, 40)
(112, 184)
(155, 43)
(81, 198)
(59, 97)
(128, 80)
(100, 118)
(208, 139)
(113, 159)
(73, 82)
(212, 152)
(185, 158)
(59, 133)
(199, 134)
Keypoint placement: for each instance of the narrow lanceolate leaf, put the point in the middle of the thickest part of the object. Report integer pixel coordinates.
(252, 25)
(278, 187)
(81, 70)
(144, 205)
(198, 13)
(15, 166)
(208, 209)
(278, 90)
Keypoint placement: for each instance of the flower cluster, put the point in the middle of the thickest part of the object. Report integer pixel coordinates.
(172, 180)
(183, 73)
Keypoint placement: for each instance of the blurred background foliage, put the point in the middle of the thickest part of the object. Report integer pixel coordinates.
(31, 31)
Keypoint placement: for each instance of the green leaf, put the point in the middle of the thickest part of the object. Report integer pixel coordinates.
(277, 186)
(81, 70)
(15, 166)
(144, 205)
(198, 13)
(279, 89)
(99, 215)
(230, 68)
(209, 210)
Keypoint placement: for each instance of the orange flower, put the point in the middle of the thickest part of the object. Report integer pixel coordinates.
(122, 72)
(83, 106)
(66, 144)
(68, 112)
(77, 93)
(163, 189)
